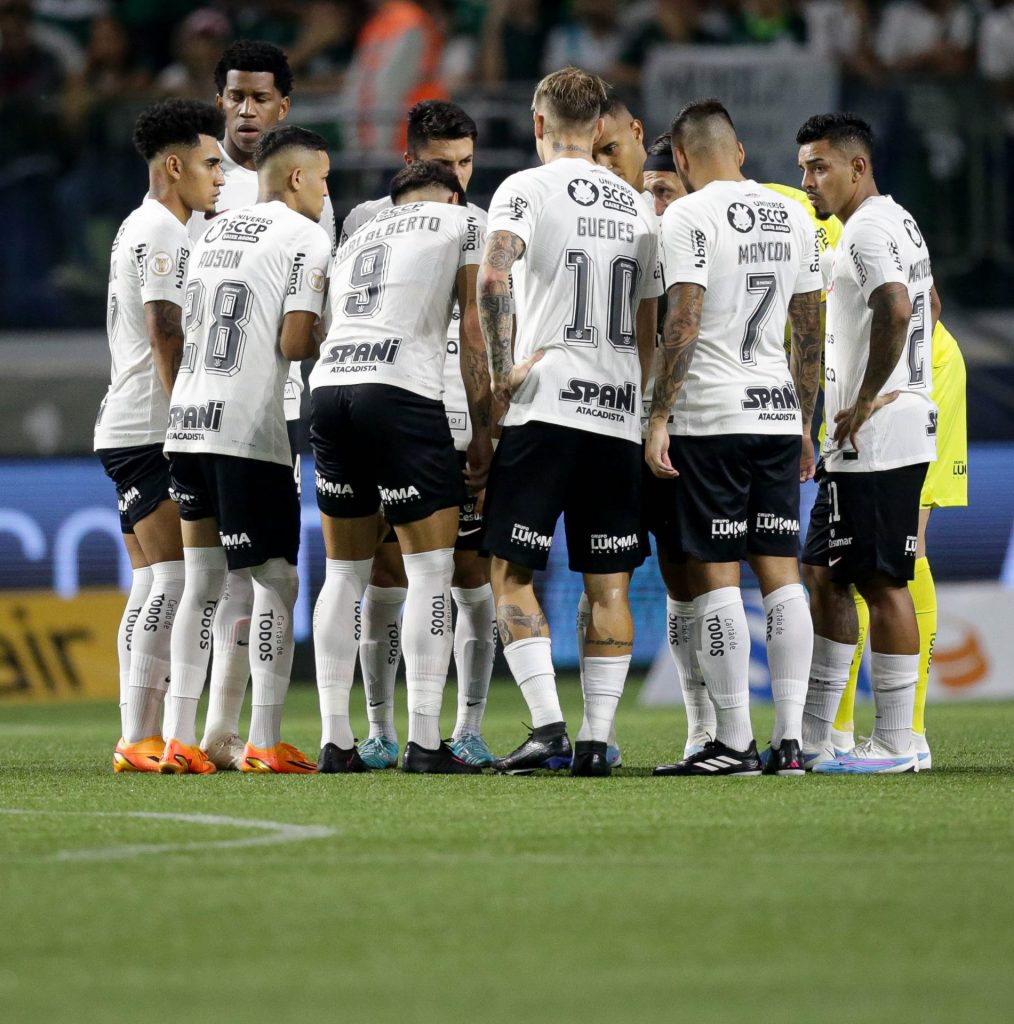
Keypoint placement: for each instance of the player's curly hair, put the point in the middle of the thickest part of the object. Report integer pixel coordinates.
(661, 145)
(176, 122)
(423, 173)
(285, 136)
(841, 130)
(438, 119)
(253, 55)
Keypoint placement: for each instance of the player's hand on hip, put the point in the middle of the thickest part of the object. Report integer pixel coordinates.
(807, 460)
(656, 451)
(478, 457)
(848, 422)
(504, 387)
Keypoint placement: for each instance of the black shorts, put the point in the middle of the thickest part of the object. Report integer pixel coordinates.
(738, 494)
(541, 470)
(819, 532)
(471, 521)
(141, 476)
(294, 428)
(873, 523)
(658, 514)
(254, 503)
(376, 444)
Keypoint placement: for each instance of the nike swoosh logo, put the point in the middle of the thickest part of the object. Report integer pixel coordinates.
(468, 533)
(472, 703)
(834, 561)
(242, 643)
(375, 703)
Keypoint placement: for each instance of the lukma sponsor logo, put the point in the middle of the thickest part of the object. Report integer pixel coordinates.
(768, 522)
(728, 529)
(606, 542)
(235, 540)
(393, 495)
(333, 488)
(128, 498)
(529, 538)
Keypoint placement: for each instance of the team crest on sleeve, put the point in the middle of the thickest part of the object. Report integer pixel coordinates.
(161, 264)
(315, 279)
(583, 192)
(913, 232)
(741, 217)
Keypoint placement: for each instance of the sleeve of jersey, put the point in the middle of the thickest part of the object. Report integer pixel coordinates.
(162, 264)
(875, 258)
(308, 275)
(651, 285)
(686, 246)
(473, 240)
(809, 278)
(513, 209)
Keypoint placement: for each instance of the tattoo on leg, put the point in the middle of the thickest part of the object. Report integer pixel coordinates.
(510, 619)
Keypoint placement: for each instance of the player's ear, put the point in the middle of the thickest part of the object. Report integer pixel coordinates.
(174, 166)
(638, 129)
(407, 157)
(740, 153)
(283, 108)
(859, 166)
(600, 127)
(219, 102)
(296, 179)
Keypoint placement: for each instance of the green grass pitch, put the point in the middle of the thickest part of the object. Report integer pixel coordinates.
(491, 899)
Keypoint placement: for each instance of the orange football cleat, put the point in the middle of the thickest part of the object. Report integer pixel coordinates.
(142, 756)
(179, 759)
(281, 759)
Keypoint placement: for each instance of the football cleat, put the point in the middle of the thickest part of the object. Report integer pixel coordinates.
(785, 759)
(716, 759)
(281, 759)
(377, 752)
(922, 750)
(142, 756)
(471, 748)
(442, 761)
(812, 756)
(695, 743)
(842, 741)
(179, 759)
(591, 759)
(335, 761)
(225, 752)
(548, 746)
(614, 755)
(871, 758)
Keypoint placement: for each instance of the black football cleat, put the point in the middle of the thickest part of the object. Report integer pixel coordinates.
(785, 759)
(442, 761)
(716, 759)
(591, 759)
(335, 761)
(548, 746)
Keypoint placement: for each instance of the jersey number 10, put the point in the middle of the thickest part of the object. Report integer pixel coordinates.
(623, 276)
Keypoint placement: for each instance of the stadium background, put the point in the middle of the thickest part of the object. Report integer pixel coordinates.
(935, 78)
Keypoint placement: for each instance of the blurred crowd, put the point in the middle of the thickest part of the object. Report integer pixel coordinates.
(73, 74)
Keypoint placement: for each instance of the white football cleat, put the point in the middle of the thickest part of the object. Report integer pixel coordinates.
(923, 750)
(812, 756)
(225, 752)
(871, 758)
(843, 742)
(695, 743)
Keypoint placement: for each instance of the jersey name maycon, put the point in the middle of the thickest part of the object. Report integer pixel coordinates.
(880, 244)
(455, 399)
(392, 292)
(591, 256)
(148, 263)
(251, 267)
(752, 250)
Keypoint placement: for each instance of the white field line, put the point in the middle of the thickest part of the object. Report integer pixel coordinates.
(275, 832)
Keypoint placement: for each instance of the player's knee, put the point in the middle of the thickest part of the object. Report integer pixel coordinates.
(280, 576)
(470, 571)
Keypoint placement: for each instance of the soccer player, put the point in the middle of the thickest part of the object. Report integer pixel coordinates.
(256, 292)
(254, 85)
(440, 131)
(881, 306)
(571, 433)
(147, 284)
(653, 174)
(739, 259)
(380, 436)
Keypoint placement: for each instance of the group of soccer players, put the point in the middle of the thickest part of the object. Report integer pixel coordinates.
(615, 328)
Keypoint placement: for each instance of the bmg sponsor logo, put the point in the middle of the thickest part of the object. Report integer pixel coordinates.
(529, 538)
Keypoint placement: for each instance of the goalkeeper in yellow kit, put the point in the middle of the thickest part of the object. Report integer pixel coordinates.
(946, 486)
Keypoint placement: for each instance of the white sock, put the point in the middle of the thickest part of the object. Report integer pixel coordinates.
(584, 615)
(790, 651)
(474, 649)
(680, 633)
(336, 644)
(191, 640)
(379, 654)
(149, 652)
(603, 687)
(829, 675)
(531, 664)
(894, 679)
(427, 639)
(723, 650)
(275, 586)
(230, 662)
(140, 587)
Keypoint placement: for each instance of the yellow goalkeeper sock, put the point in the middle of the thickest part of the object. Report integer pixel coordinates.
(924, 597)
(844, 720)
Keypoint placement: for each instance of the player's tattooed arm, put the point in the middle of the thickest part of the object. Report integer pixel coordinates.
(496, 307)
(892, 315)
(515, 623)
(164, 322)
(475, 375)
(804, 363)
(679, 339)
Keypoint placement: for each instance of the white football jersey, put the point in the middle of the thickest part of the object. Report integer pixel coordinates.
(591, 256)
(455, 399)
(392, 293)
(148, 263)
(240, 190)
(252, 267)
(880, 244)
(752, 249)
(649, 384)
